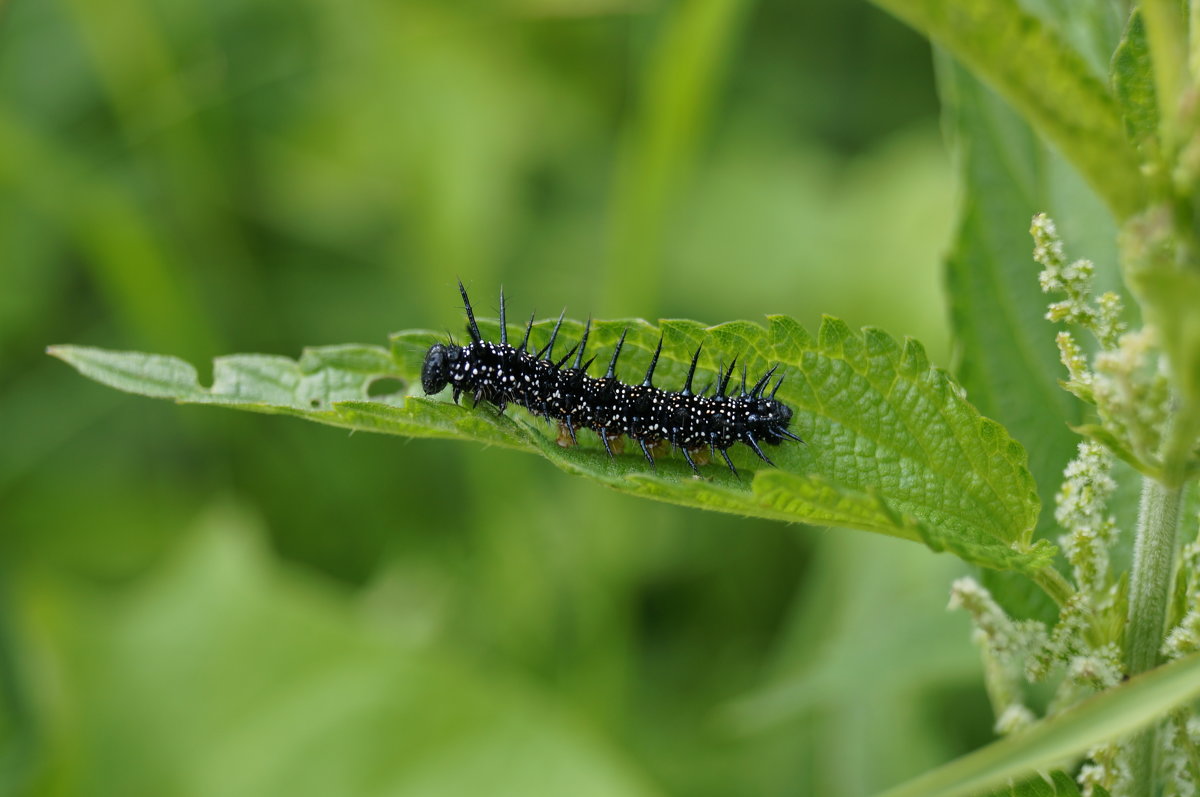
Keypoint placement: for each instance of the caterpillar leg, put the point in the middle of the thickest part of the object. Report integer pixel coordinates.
(729, 462)
(750, 441)
(646, 451)
(613, 443)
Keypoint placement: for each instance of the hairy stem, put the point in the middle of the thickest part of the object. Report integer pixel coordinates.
(1149, 588)
(1054, 585)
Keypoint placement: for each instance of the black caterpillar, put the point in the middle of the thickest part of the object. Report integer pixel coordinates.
(503, 375)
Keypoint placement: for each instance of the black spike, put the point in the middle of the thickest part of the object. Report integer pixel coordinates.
(688, 456)
(687, 385)
(611, 373)
(566, 357)
(503, 322)
(788, 435)
(571, 431)
(729, 462)
(743, 380)
(472, 327)
(723, 380)
(750, 441)
(653, 362)
(528, 329)
(457, 393)
(548, 349)
(583, 343)
(604, 439)
(646, 451)
(756, 391)
(588, 364)
(778, 385)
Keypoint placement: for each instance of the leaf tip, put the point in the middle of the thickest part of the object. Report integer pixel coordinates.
(833, 334)
(880, 343)
(914, 359)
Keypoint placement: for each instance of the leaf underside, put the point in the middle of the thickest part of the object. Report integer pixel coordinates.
(1050, 84)
(892, 446)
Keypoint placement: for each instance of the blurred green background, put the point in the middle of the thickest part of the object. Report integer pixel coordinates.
(199, 602)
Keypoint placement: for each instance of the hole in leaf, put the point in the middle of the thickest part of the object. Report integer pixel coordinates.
(384, 386)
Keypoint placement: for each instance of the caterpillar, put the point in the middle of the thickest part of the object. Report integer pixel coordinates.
(501, 374)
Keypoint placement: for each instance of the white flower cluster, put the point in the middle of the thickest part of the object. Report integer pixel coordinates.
(1124, 379)
(1103, 315)
(1105, 769)
(1182, 740)
(1132, 392)
(1006, 645)
(1082, 510)
(1122, 375)
(1016, 652)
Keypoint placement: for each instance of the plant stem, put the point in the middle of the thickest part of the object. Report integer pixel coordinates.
(1054, 584)
(1149, 588)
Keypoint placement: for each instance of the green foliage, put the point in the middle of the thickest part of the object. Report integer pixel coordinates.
(392, 709)
(188, 174)
(1133, 83)
(1049, 84)
(1059, 784)
(1008, 363)
(207, 176)
(1134, 140)
(1102, 718)
(890, 436)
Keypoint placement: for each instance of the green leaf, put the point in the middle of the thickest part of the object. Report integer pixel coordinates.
(1100, 719)
(1007, 358)
(1008, 361)
(1133, 82)
(222, 673)
(1059, 785)
(892, 446)
(1056, 784)
(1044, 79)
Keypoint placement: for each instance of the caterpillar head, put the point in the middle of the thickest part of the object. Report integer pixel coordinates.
(435, 373)
(776, 416)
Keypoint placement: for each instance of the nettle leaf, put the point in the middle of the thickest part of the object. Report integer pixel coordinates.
(1007, 360)
(1056, 784)
(1049, 84)
(892, 447)
(1133, 82)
